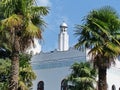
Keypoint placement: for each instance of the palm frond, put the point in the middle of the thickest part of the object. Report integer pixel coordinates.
(43, 11)
(32, 31)
(12, 22)
(113, 48)
(22, 86)
(82, 76)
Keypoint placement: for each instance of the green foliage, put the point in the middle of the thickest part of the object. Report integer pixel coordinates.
(3, 86)
(4, 66)
(26, 74)
(4, 73)
(83, 76)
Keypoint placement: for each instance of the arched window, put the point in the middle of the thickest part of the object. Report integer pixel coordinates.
(113, 87)
(64, 85)
(40, 85)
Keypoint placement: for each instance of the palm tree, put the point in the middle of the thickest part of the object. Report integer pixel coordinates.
(83, 76)
(100, 32)
(19, 25)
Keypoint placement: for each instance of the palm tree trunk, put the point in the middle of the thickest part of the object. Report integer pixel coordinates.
(13, 84)
(102, 83)
(14, 72)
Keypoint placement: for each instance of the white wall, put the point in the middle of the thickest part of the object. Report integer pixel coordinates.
(113, 77)
(52, 77)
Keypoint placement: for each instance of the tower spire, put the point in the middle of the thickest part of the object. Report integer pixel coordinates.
(63, 38)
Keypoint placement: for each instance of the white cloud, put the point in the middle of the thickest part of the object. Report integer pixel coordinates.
(43, 2)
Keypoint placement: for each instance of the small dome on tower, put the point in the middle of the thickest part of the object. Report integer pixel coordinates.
(63, 25)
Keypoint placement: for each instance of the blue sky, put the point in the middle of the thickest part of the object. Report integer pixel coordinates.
(72, 12)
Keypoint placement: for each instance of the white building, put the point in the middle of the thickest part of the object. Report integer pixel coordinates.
(34, 49)
(52, 67)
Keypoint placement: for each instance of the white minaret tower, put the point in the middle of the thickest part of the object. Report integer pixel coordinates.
(63, 38)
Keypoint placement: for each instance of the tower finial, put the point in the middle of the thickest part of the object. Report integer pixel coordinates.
(64, 24)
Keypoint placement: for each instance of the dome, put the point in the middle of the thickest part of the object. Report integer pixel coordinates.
(63, 25)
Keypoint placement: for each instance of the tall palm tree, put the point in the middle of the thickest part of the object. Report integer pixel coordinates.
(83, 76)
(19, 25)
(101, 33)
